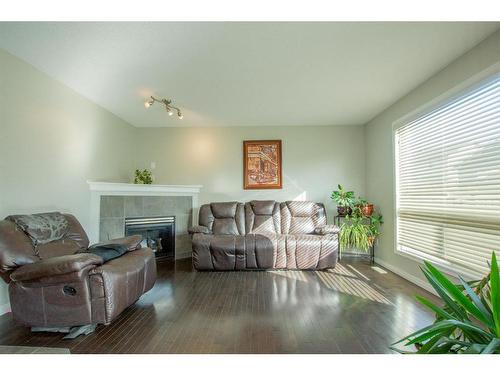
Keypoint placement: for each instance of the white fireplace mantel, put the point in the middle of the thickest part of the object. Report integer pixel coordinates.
(98, 189)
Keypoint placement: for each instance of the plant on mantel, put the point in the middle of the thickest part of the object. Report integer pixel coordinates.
(144, 177)
(469, 321)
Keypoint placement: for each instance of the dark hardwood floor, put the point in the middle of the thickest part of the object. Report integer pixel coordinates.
(351, 309)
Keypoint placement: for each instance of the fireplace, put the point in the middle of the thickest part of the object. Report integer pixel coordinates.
(158, 233)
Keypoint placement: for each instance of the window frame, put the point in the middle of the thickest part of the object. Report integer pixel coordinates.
(448, 97)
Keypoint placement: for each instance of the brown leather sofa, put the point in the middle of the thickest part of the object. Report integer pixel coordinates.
(264, 235)
(58, 284)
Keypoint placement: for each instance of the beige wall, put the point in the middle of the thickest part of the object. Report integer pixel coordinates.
(315, 160)
(52, 141)
(378, 138)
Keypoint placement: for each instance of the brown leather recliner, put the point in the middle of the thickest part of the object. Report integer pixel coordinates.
(58, 284)
(264, 235)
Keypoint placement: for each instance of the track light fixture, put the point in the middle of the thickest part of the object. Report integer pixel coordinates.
(168, 106)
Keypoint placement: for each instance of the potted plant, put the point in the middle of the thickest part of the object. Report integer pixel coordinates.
(144, 177)
(354, 233)
(344, 200)
(469, 321)
(358, 232)
(374, 227)
(365, 207)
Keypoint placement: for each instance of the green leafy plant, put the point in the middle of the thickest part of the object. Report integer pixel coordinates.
(359, 231)
(360, 201)
(375, 223)
(469, 322)
(144, 177)
(342, 197)
(354, 233)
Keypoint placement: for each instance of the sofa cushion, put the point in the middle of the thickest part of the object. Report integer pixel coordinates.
(262, 217)
(262, 207)
(223, 218)
(302, 225)
(42, 228)
(223, 210)
(224, 253)
(120, 282)
(225, 226)
(305, 251)
(16, 248)
(302, 209)
(298, 217)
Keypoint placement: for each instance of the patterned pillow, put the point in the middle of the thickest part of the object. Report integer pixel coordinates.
(42, 228)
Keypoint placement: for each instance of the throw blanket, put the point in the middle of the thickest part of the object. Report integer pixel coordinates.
(42, 228)
(108, 251)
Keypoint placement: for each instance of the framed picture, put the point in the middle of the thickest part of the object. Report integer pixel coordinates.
(262, 165)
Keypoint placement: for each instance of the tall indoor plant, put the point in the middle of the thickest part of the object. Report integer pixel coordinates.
(469, 321)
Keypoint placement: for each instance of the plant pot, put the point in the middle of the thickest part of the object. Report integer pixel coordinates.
(367, 209)
(344, 210)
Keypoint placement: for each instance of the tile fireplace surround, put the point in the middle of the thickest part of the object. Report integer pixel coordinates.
(111, 203)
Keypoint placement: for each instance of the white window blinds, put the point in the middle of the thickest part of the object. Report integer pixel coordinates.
(448, 182)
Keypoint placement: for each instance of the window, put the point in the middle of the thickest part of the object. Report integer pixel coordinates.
(448, 182)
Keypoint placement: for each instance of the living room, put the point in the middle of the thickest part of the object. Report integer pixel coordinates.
(249, 187)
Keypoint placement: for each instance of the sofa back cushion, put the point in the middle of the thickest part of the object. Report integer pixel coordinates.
(262, 217)
(17, 248)
(42, 228)
(223, 217)
(75, 240)
(299, 217)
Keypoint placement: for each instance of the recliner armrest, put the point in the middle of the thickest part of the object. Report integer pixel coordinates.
(199, 229)
(327, 229)
(132, 242)
(55, 266)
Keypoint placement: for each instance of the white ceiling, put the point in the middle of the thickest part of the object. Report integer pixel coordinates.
(237, 74)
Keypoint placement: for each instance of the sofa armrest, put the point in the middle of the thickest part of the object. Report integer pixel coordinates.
(199, 229)
(327, 229)
(132, 242)
(55, 266)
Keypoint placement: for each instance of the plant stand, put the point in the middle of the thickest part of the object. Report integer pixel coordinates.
(337, 220)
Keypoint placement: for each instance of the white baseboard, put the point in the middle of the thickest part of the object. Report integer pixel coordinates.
(415, 280)
(5, 308)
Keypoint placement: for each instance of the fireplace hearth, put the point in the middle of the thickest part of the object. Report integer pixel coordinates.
(158, 233)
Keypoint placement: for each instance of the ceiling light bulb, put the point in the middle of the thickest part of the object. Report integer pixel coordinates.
(147, 104)
(170, 112)
(180, 116)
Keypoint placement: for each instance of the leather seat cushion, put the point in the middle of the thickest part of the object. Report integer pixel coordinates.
(305, 251)
(120, 282)
(226, 252)
(264, 251)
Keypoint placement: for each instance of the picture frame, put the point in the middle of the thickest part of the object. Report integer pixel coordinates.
(262, 164)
